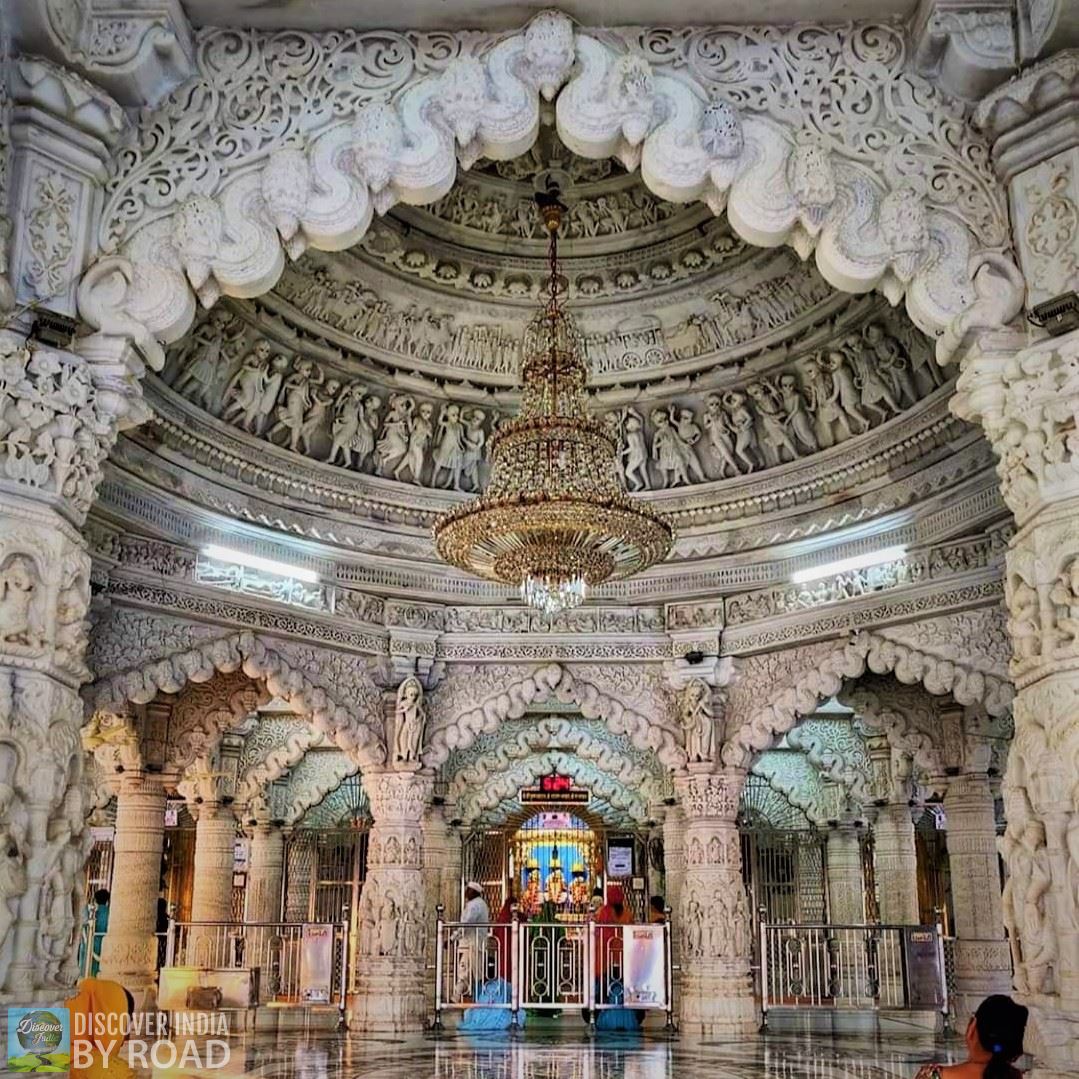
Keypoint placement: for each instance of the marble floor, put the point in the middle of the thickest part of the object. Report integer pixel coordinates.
(569, 1053)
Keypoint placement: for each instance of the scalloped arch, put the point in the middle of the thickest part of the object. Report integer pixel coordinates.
(246, 651)
(816, 672)
(206, 204)
(511, 699)
(504, 786)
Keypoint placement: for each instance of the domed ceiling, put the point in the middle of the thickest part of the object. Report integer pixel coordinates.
(364, 388)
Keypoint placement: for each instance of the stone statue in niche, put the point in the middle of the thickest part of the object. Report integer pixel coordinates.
(672, 449)
(475, 439)
(207, 356)
(392, 446)
(847, 391)
(20, 620)
(1065, 597)
(740, 420)
(410, 718)
(450, 451)
(698, 721)
(633, 450)
(354, 425)
(420, 429)
(720, 436)
(772, 433)
(297, 396)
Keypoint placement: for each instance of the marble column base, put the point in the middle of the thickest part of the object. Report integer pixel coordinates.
(389, 1000)
(1052, 1039)
(982, 967)
(717, 1005)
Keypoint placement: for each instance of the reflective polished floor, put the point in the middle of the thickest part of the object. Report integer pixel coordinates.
(558, 1053)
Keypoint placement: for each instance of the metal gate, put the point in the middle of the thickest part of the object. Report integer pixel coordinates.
(784, 874)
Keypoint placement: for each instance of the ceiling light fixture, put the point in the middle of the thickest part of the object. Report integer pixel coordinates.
(858, 561)
(555, 519)
(253, 561)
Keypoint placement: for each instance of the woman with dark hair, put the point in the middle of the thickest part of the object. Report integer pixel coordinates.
(994, 1041)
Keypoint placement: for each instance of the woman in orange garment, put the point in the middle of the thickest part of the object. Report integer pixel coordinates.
(99, 1013)
(610, 975)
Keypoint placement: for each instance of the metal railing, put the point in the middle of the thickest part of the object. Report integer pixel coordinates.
(551, 966)
(852, 967)
(274, 949)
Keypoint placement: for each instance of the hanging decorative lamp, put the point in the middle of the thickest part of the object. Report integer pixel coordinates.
(554, 519)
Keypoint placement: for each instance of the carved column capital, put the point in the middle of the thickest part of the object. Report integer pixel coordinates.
(399, 797)
(136, 50)
(705, 793)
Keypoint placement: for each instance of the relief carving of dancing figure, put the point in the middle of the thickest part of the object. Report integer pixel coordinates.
(822, 399)
(392, 446)
(420, 430)
(475, 439)
(773, 433)
(794, 405)
(322, 397)
(450, 451)
(244, 393)
(1065, 597)
(410, 719)
(297, 396)
(207, 356)
(634, 450)
(674, 455)
(354, 426)
(720, 436)
(869, 379)
(20, 623)
(846, 389)
(740, 420)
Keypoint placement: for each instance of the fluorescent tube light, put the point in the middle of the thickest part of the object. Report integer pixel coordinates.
(242, 558)
(859, 561)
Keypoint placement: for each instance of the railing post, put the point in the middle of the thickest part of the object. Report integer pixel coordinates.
(946, 1004)
(515, 965)
(342, 1018)
(590, 974)
(668, 966)
(170, 937)
(762, 922)
(440, 910)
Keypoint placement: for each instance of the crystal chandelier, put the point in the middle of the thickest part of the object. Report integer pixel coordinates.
(554, 519)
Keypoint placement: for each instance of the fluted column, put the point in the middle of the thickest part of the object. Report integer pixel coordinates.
(215, 841)
(846, 886)
(982, 960)
(129, 950)
(265, 871)
(895, 860)
(717, 990)
(394, 916)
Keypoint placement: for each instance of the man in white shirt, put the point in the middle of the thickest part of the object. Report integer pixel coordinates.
(470, 943)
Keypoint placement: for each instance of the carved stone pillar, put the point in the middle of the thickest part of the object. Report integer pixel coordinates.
(846, 886)
(265, 871)
(674, 869)
(441, 862)
(1026, 399)
(394, 913)
(129, 951)
(895, 860)
(714, 923)
(982, 962)
(299, 873)
(215, 844)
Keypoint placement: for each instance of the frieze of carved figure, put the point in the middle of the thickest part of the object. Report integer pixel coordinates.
(698, 721)
(449, 456)
(675, 436)
(772, 431)
(252, 391)
(741, 423)
(420, 430)
(207, 355)
(1064, 596)
(297, 398)
(475, 438)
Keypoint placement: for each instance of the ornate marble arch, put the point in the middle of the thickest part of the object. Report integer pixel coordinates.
(800, 782)
(476, 801)
(315, 777)
(345, 804)
(557, 733)
(271, 749)
(630, 699)
(249, 162)
(963, 654)
(265, 661)
(836, 749)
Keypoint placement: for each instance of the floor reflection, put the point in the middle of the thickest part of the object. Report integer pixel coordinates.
(555, 1054)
